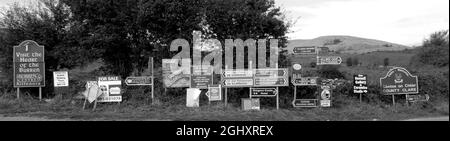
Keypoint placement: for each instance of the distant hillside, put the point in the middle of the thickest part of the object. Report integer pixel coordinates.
(347, 44)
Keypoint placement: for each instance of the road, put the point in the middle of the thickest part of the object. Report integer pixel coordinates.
(430, 119)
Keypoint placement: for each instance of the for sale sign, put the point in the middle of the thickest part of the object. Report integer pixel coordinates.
(399, 81)
(29, 66)
(111, 89)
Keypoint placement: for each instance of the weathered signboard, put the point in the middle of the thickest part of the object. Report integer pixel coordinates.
(305, 50)
(110, 88)
(399, 81)
(175, 75)
(329, 60)
(60, 79)
(417, 97)
(304, 81)
(214, 93)
(360, 84)
(263, 92)
(304, 103)
(271, 77)
(237, 78)
(250, 104)
(29, 66)
(138, 81)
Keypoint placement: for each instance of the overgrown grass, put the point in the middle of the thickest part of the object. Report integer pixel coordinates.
(352, 110)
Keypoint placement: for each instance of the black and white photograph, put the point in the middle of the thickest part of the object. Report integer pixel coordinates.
(207, 69)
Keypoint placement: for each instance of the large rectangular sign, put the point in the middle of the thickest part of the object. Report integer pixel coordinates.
(29, 66)
(110, 88)
(174, 75)
(399, 81)
(263, 92)
(305, 50)
(360, 84)
(201, 81)
(271, 77)
(329, 60)
(60, 79)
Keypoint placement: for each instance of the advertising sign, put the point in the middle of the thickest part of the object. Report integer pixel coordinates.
(110, 87)
(60, 79)
(304, 103)
(304, 81)
(237, 78)
(399, 81)
(175, 75)
(263, 92)
(138, 81)
(305, 50)
(214, 93)
(271, 77)
(360, 84)
(325, 98)
(29, 66)
(329, 60)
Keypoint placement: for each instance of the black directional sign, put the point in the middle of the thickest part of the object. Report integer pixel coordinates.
(263, 92)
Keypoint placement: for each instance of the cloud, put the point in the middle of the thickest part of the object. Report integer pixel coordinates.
(399, 21)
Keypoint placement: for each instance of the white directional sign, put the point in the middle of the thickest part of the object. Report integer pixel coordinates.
(329, 60)
(141, 80)
(271, 77)
(60, 79)
(237, 78)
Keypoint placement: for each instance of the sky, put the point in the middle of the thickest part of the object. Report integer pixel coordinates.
(406, 22)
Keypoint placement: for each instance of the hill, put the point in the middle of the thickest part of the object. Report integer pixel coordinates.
(347, 44)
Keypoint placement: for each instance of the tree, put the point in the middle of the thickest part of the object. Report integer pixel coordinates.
(349, 62)
(386, 62)
(44, 23)
(434, 50)
(355, 61)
